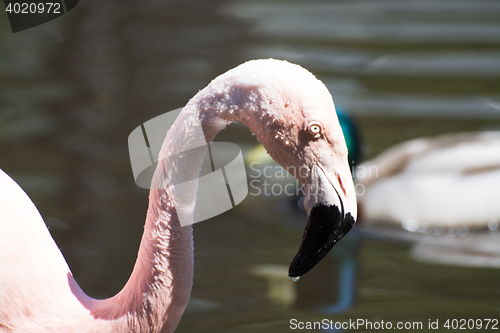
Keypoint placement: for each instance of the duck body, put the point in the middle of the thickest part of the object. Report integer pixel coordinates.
(451, 180)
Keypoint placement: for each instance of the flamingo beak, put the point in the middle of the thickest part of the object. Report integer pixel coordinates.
(331, 204)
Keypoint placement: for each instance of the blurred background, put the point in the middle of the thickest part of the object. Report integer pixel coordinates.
(72, 90)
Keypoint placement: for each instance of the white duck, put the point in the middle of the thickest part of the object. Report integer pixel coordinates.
(450, 181)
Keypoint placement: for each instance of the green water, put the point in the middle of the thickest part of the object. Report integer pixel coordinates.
(72, 90)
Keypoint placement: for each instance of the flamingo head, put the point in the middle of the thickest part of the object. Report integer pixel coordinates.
(330, 199)
(299, 128)
(292, 114)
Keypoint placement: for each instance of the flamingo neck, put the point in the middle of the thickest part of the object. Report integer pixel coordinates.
(159, 287)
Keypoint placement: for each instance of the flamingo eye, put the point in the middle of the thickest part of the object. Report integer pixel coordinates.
(315, 129)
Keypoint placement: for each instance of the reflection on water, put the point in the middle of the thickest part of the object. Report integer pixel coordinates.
(72, 90)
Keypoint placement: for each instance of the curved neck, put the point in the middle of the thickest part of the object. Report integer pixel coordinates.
(158, 290)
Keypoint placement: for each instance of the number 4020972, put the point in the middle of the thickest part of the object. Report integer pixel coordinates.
(463, 324)
(33, 8)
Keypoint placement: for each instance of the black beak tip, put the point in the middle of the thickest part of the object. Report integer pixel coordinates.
(326, 225)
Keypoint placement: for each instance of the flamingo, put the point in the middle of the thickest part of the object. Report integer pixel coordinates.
(291, 113)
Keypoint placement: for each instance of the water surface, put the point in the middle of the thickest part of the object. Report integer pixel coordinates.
(72, 90)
